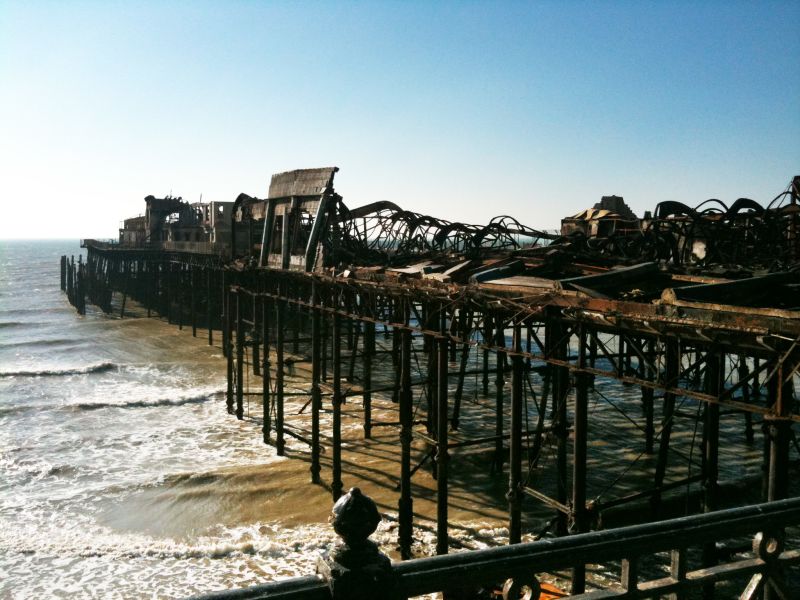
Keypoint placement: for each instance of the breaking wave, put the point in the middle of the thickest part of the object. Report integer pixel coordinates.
(179, 401)
(33, 469)
(265, 540)
(42, 343)
(18, 409)
(99, 368)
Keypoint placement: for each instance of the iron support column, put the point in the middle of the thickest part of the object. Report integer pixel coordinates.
(442, 457)
(336, 482)
(515, 443)
(316, 392)
(406, 415)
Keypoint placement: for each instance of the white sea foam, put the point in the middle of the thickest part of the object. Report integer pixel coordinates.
(60, 372)
(96, 411)
(251, 554)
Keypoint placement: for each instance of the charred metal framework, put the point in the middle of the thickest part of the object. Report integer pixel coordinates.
(538, 322)
(743, 237)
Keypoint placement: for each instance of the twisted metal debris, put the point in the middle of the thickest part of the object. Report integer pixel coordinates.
(745, 234)
(382, 232)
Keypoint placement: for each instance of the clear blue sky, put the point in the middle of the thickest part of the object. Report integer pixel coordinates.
(461, 110)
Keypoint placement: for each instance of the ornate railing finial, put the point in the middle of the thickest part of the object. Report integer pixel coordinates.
(356, 569)
(355, 517)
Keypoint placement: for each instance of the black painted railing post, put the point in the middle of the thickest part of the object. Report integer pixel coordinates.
(356, 569)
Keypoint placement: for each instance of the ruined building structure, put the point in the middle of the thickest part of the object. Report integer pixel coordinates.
(170, 223)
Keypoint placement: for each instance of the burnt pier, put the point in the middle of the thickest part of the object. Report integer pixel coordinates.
(405, 318)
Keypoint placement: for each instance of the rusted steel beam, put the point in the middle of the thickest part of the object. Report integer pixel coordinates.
(628, 379)
(642, 318)
(560, 507)
(742, 289)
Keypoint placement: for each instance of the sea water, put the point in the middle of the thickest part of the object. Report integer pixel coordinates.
(121, 474)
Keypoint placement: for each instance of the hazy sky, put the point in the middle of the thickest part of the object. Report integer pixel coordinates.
(461, 110)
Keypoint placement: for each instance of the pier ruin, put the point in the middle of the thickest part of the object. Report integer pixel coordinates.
(407, 319)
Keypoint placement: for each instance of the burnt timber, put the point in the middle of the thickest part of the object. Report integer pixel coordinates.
(697, 307)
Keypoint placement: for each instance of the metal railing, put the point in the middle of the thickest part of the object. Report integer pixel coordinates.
(742, 546)
(169, 246)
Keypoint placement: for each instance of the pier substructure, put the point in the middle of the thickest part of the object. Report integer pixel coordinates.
(410, 350)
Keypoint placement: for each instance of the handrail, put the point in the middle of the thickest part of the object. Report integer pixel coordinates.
(424, 575)
(473, 569)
